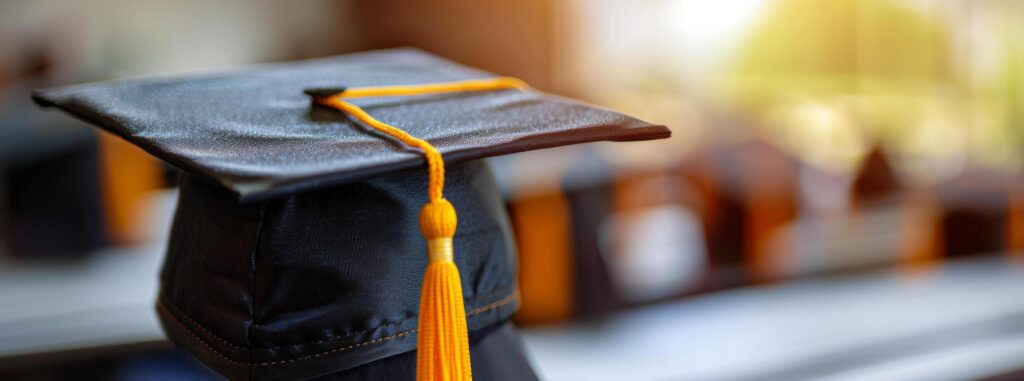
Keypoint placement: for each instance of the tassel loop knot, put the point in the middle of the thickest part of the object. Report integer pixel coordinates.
(438, 220)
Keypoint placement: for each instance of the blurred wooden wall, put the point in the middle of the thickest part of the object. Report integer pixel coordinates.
(508, 37)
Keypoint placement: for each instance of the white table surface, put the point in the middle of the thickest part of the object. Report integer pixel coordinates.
(962, 321)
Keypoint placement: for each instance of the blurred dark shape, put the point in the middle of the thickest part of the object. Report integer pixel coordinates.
(589, 189)
(759, 188)
(53, 202)
(1015, 375)
(876, 178)
(1015, 217)
(976, 208)
(162, 366)
(877, 192)
(151, 363)
(49, 177)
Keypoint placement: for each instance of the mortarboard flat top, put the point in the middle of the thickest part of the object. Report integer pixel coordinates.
(254, 131)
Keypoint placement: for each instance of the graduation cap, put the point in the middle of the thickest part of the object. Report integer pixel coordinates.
(312, 191)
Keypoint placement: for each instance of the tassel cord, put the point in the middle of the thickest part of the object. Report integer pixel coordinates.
(443, 340)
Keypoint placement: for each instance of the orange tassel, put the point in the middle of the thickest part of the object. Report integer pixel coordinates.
(443, 344)
(443, 341)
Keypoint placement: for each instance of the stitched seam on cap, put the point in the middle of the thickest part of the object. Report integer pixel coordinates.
(508, 299)
(484, 308)
(252, 280)
(178, 314)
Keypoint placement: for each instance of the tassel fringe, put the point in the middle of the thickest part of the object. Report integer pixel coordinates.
(443, 347)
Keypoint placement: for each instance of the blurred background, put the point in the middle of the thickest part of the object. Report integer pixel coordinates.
(842, 197)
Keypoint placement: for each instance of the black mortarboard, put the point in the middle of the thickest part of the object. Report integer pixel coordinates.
(295, 251)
